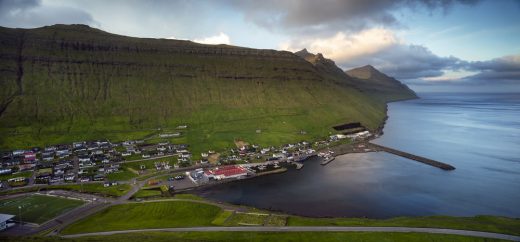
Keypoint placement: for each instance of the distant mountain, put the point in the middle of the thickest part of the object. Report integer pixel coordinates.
(65, 83)
(366, 79)
(369, 79)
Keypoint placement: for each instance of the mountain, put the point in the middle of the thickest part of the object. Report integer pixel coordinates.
(372, 81)
(325, 66)
(366, 79)
(65, 83)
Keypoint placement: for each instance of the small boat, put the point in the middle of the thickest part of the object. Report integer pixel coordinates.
(327, 160)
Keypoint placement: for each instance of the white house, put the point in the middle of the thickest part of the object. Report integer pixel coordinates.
(4, 218)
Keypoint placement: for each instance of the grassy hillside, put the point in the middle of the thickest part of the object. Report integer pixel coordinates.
(65, 83)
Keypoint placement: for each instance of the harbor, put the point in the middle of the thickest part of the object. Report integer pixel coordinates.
(366, 146)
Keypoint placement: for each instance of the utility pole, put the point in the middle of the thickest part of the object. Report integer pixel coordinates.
(20, 215)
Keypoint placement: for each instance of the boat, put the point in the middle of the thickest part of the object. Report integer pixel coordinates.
(327, 160)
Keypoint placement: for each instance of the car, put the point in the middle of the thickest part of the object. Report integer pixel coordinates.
(179, 177)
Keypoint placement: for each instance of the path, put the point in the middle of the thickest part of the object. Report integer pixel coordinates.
(313, 229)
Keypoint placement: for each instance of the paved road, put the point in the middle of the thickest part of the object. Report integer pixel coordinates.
(313, 229)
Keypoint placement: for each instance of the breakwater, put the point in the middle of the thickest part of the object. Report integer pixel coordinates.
(407, 155)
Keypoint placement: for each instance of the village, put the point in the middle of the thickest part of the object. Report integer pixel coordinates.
(100, 161)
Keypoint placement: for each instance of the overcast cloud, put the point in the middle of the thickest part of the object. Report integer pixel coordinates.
(31, 13)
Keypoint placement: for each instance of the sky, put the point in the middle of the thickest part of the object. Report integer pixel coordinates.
(431, 45)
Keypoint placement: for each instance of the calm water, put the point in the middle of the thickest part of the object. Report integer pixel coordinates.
(477, 133)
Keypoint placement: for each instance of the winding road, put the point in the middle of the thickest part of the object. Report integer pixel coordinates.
(311, 229)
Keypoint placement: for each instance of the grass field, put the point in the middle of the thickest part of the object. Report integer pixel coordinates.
(144, 193)
(247, 219)
(478, 223)
(38, 208)
(262, 236)
(222, 217)
(97, 188)
(122, 175)
(147, 215)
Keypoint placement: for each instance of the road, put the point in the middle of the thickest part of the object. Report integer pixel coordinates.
(313, 229)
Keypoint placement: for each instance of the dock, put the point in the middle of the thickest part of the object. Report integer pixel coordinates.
(421, 159)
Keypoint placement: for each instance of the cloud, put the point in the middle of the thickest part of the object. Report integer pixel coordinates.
(342, 47)
(308, 16)
(221, 38)
(31, 13)
(503, 69)
(382, 49)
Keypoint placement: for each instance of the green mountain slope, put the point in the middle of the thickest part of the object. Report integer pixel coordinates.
(65, 83)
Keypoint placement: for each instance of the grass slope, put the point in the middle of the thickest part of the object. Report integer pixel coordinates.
(478, 223)
(67, 83)
(262, 236)
(37, 208)
(147, 215)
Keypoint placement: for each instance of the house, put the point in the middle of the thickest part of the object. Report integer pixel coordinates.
(16, 179)
(84, 179)
(24, 167)
(84, 158)
(18, 152)
(5, 221)
(99, 177)
(47, 158)
(77, 145)
(29, 156)
(6, 171)
(170, 135)
(70, 177)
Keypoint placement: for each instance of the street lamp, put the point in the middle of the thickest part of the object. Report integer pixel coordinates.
(20, 215)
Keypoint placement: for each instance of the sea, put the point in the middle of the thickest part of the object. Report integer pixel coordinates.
(479, 134)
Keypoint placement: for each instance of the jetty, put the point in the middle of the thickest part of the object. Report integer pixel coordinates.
(407, 155)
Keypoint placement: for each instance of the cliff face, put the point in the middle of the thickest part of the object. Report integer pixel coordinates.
(370, 80)
(71, 82)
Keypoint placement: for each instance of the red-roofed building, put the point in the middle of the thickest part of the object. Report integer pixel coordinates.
(226, 172)
(29, 156)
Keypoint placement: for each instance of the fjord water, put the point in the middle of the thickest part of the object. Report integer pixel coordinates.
(479, 134)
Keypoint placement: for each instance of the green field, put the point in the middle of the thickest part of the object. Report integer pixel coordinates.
(97, 188)
(147, 215)
(262, 236)
(144, 193)
(122, 175)
(247, 219)
(25, 174)
(38, 208)
(478, 223)
(184, 214)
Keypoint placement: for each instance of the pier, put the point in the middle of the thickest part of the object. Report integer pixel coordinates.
(421, 159)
